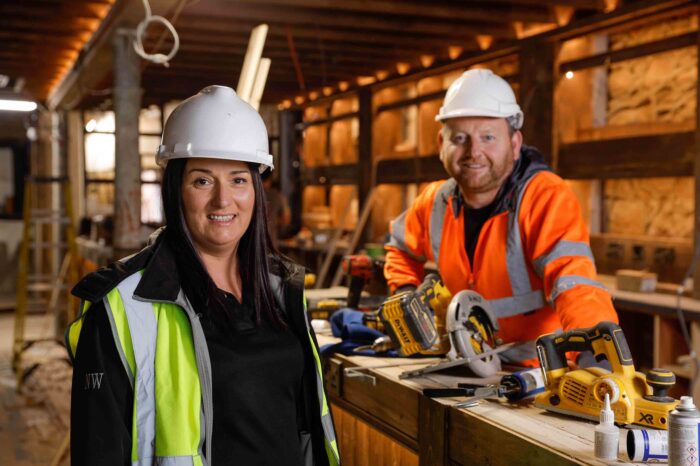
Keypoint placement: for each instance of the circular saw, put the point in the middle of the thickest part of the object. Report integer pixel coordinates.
(471, 326)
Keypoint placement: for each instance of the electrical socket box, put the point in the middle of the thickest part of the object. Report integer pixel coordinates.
(669, 258)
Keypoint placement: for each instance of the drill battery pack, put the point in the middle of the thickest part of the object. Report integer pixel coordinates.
(409, 322)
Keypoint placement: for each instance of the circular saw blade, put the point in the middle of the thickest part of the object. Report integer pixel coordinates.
(472, 326)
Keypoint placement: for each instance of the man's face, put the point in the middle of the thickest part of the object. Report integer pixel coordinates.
(478, 152)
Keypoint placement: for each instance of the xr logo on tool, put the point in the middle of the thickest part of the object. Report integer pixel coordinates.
(647, 418)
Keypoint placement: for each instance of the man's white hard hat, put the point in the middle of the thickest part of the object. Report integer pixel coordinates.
(215, 124)
(481, 93)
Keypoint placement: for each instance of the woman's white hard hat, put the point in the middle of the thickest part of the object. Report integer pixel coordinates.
(215, 124)
(481, 93)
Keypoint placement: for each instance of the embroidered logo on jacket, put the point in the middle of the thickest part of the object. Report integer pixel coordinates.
(93, 380)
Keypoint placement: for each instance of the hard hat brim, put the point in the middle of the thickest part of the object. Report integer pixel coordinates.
(473, 112)
(264, 160)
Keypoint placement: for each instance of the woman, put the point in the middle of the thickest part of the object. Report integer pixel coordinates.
(196, 350)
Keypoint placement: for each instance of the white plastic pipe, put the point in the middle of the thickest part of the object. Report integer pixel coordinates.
(259, 84)
(251, 62)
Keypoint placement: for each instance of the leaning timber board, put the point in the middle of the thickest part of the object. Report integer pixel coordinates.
(495, 432)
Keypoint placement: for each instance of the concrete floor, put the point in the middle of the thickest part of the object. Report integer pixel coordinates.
(30, 433)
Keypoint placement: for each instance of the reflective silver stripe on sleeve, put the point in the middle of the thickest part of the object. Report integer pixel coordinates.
(515, 254)
(143, 328)
(521, 352)
(398, 236)
(169, 461)
(514, 305)
(567, 282)
(117, 341)
(563, 248)
(437, 216)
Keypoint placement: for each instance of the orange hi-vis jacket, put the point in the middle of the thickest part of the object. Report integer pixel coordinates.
(532, 262)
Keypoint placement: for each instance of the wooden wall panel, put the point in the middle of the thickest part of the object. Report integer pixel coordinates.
(341, 199)
(427, 126)
(362, 445)
(344, 132)
(313, 152)
(390, 206)
(314, 204)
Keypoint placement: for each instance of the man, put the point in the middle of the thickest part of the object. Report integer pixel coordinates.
(503, 225)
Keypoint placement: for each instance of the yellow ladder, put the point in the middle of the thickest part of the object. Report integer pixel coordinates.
(33, 253)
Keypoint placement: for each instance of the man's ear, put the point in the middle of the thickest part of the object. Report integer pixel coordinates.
(516, 142)
(440, 138)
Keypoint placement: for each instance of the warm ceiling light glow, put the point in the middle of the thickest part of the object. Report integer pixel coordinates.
(313, 95)
(91, 125)
(563, 14)
(484, 41)
(299, 99)
(328, 90)
(611, 5)
(427, 60)
(381, 75)
(343, 85)
(4, 80)
(286, 103)
(17, 105)
(365, 80)
(454, 51)
(569, 74)
(403, 67)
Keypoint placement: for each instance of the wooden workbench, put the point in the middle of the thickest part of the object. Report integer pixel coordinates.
(383, 420)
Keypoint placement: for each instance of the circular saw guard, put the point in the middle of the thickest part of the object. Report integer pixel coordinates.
(471, 326)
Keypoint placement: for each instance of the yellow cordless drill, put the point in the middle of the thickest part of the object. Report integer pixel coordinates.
(634, 397)
(415, 320)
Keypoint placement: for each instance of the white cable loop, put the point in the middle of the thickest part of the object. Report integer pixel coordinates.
(158, 58)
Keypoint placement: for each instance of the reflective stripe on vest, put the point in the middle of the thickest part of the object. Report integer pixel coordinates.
(331, 443)
(563, 248)
(398, 237)
(437, 216)
(160, 410)
(566, 282)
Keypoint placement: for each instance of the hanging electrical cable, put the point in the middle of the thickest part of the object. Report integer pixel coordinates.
(158, 58)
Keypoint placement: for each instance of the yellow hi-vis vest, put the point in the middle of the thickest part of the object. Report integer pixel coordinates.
(165, 356)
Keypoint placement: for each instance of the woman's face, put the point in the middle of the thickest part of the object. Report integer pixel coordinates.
(217, 202)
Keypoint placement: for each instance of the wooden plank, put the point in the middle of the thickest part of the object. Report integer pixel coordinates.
(465, 12)
(323, 121)
(537, 95)
(330, 175)
(365, 178)
(643, 156)
(614, 56)
(433, 422)
(410, 170)
(696, 173)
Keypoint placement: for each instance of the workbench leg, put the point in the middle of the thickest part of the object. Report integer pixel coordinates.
(433, 420)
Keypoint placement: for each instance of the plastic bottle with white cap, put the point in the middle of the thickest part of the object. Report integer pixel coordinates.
(607, 435)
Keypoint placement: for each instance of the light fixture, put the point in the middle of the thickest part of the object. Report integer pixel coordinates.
(403, 67)
(454, 51)
(17, 105)
(569, 74)
(343, 86)
(91, 125)
(4, 80)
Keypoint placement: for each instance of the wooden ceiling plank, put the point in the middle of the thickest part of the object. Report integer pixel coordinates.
(466, 12)
(292, 16)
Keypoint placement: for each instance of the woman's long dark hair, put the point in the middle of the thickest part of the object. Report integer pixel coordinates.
(255, 253)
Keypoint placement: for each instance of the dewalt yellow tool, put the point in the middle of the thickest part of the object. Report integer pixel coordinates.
(415, 320)
(634, 397)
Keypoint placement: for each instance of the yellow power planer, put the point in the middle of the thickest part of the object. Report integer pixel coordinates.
(634, 397)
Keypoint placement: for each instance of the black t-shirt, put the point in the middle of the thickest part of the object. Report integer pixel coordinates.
(257, 389)
(474, 220)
